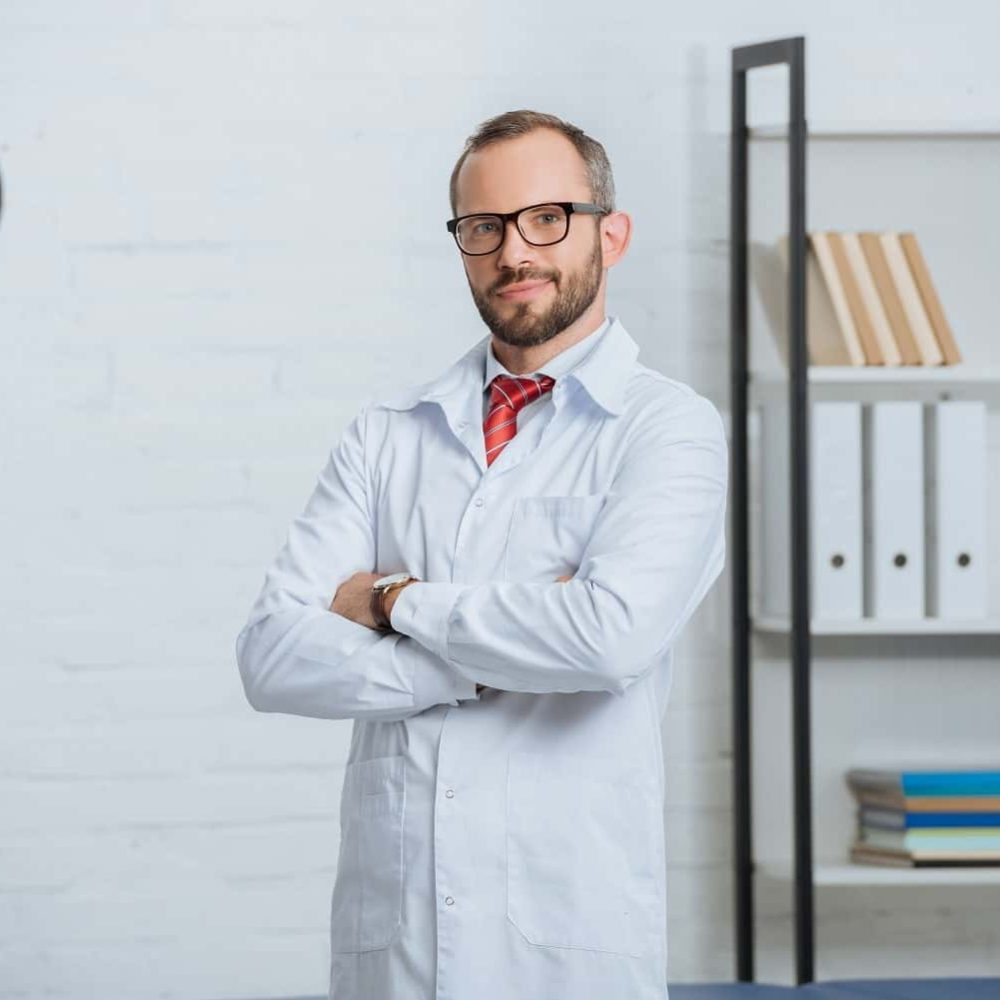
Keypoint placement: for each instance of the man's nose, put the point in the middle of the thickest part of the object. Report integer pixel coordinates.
(515, 249)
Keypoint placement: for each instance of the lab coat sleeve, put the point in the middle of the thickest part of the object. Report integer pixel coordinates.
(656, 547)
(295, 655)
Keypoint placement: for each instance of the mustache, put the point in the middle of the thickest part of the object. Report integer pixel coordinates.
(500, 286)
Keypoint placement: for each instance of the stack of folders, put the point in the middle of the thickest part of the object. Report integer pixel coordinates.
(898, 510)
(925, 818)
(870, 300)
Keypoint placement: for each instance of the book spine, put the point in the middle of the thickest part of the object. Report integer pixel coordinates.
(897, 819)
(894, 311)
(931, 840)
(871, 301)
(951, 783)
(909, 296)
(935, 311)
(824, 258)
(862, 321)
(949, 803)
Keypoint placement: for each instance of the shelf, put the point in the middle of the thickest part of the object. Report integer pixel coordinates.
(884, 130)
(951, 150)
(869, 626)
(847, 874)
(871, 382)
(950, 375)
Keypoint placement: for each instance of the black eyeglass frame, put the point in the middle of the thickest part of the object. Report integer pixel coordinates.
(569, 207)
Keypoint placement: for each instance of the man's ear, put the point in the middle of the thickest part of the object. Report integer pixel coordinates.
(616, 234)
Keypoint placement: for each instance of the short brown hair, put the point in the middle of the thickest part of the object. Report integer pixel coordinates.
(515, 123)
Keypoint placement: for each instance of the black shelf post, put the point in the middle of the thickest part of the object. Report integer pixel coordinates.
(790, 52)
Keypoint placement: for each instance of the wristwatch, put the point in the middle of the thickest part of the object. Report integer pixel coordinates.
(382, 586)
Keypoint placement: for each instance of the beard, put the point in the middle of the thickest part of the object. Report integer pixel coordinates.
(524, 327)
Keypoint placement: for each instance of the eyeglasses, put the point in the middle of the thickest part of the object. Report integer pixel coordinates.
(541, 227)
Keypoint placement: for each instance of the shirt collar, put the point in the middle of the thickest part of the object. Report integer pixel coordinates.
(556, 367)
(603, 372)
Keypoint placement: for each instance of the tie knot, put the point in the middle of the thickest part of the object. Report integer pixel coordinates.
(516, 391)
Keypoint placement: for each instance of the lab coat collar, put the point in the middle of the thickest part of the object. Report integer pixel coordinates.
(603, 373)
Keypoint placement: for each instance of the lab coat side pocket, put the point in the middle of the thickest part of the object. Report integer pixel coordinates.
(367, 903)
(582, 859)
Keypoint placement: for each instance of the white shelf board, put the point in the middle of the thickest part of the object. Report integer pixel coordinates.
(848, 874)
(869, 626)
(887, 375)
(884, 130)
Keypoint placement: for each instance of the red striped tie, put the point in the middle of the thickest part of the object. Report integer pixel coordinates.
(507, 395)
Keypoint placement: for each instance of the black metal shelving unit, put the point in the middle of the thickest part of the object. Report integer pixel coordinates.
(789, 52)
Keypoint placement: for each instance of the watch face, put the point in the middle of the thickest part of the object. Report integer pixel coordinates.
(385, 581)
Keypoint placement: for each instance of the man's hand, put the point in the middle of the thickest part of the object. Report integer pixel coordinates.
(354, 595)
(353, 598)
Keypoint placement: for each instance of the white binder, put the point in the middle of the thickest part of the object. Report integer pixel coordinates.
(894, 510)
(835, 504)
(956, 509)
(835, 528)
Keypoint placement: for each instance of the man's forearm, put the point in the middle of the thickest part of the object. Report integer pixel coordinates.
(391, 600)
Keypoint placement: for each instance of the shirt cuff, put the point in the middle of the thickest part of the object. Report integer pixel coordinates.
(435, 681)
(422, 609)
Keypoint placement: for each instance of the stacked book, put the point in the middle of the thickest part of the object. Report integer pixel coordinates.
(870, 300)
(925, 818)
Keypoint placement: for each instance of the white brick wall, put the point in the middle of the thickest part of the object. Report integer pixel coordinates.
(191, 311)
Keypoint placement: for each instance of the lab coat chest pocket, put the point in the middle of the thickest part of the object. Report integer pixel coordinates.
(584, 849)
(548, 535)
(367, 903)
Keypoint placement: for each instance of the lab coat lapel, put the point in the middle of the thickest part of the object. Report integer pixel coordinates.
(459, 392)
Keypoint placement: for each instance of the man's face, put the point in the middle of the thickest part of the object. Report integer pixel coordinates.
(532, 169)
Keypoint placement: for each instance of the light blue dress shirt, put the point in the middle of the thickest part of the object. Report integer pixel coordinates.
(509, 844)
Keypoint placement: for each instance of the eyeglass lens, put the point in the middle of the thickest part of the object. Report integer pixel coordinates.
(540, 225)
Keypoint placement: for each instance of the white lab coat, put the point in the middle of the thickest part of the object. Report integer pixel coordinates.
(508, 844)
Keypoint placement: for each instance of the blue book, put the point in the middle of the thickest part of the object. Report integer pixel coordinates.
(897, 819)
(959, 782)
(968, 842)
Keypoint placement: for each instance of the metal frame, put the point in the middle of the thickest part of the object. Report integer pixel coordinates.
(791, 52)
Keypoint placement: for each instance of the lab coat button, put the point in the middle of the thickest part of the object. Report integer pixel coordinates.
(480, 501)
(449, 900)
(450, 794)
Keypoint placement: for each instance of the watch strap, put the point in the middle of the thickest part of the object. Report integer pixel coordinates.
(378, 603)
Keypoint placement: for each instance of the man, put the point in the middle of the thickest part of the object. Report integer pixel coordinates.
(549, 513)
